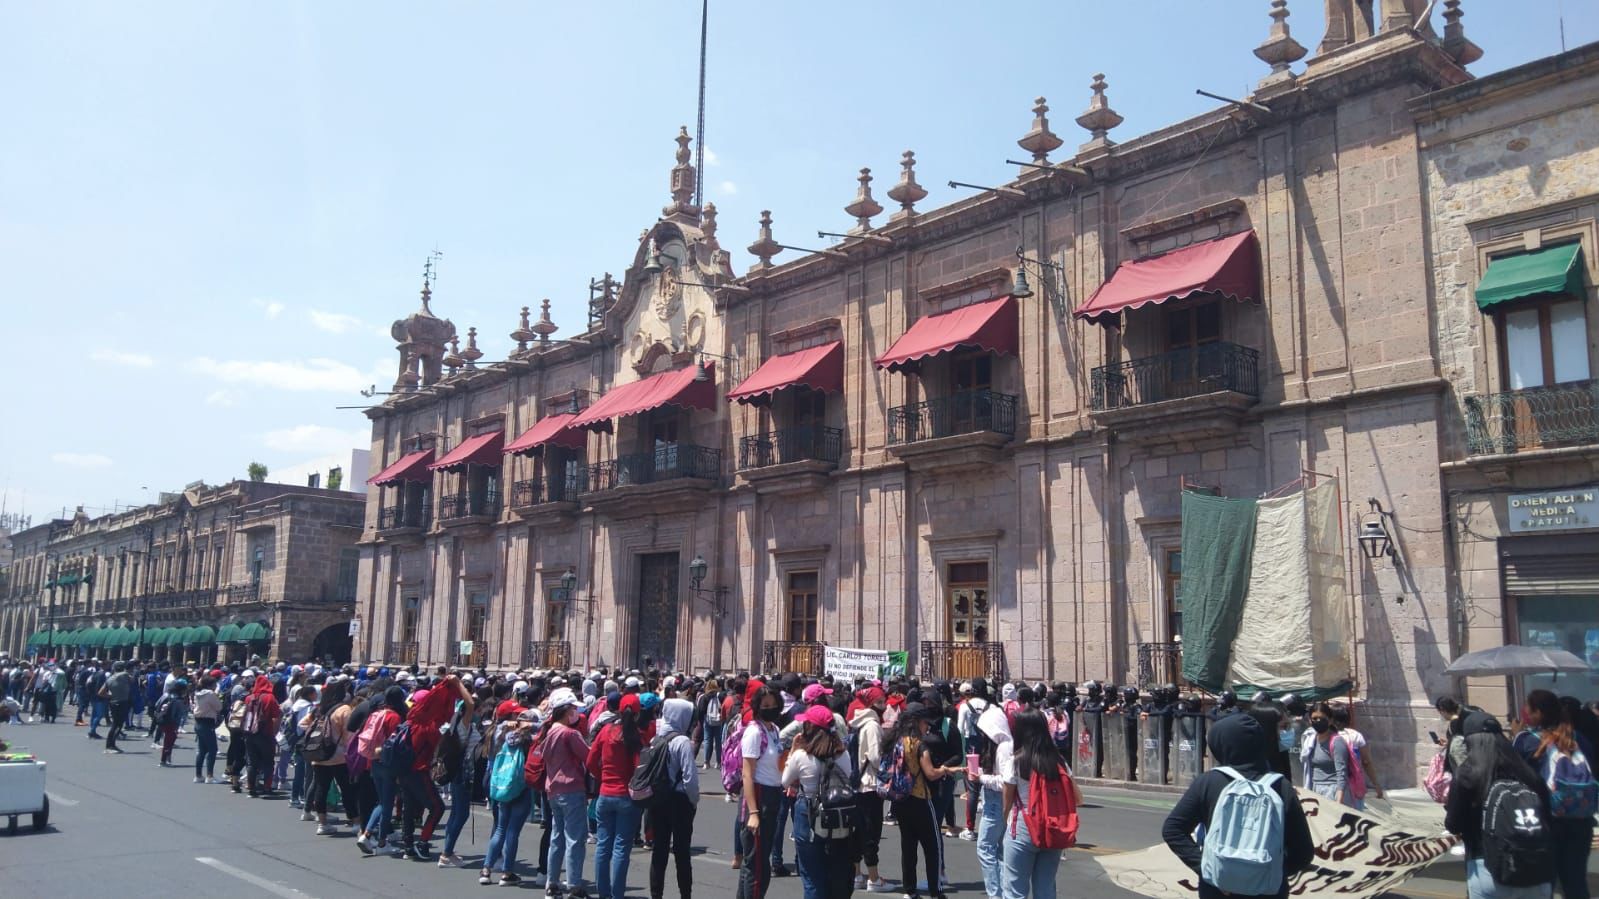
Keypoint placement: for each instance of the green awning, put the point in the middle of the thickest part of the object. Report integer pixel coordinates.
(201, 634)
(179, 636)
(228, 634)
(94, 636)
(117, 637)
(157, 636)
(253, 631)
(1551, 270)
(38, 638)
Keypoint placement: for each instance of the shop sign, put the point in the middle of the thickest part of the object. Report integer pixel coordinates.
(1554, 510)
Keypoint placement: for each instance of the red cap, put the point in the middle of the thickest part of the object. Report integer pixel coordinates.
(629, 701)
(817, 715)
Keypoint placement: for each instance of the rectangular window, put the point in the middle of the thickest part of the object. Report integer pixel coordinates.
(1544, 344)
(974, 372)
(408, 619)
(555, 601)
(1172, 575)
(803, 606)
(1193, 326)
(969, 602)
(349, 573)
(1561, 622)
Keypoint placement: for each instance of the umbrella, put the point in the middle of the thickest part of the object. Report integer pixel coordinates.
(1515, 659)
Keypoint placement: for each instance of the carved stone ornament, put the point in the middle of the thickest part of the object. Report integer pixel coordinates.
(668, 297)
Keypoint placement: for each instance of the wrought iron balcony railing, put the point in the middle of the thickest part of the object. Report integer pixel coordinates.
(1533, 418)
(1160, 664)
(469, 504)
(401, 653)
(549, 654)
(791, 445)
(955, 660)
(1193, 371)
(966, 412)
(478, 657)
(665, 463)
(798, 656)
(555, 490)
(396, 517)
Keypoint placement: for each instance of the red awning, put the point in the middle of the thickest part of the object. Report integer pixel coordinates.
(989, 325)
(554, 429)
(1227, 265)
(669, 388)
(482, 449)
(410, 467)
(818, 367)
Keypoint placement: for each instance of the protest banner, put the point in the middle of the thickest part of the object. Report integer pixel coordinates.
(845, 662)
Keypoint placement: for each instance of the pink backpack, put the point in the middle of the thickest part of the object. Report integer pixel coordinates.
(1357, 771)
(1438, 779)
(733, 757)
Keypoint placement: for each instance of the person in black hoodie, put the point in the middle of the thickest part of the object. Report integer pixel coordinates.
(1243, 743)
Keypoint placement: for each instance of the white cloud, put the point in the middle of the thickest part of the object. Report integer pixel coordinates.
(118, 357)
(295, 374)
(334, 322)
(728, 188)
(81, 460)
(317, 439)
(224, 398)
(711, 158)
(273, 308)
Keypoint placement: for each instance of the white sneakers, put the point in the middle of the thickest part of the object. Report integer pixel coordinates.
(881, 886)
(326, 830)
(969, 835)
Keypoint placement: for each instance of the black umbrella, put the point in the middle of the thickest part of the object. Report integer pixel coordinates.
(1516, 659)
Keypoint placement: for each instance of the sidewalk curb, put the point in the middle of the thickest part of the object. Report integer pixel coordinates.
(1132, 786)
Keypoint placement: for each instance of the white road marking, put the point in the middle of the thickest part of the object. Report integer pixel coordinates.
(276, 889)
(60, 800)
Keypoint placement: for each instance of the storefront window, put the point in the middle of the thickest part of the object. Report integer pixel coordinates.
(1562, 622)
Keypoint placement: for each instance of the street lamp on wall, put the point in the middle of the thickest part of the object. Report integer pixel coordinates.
(568, 583)
(1375, 538)
(697, 570)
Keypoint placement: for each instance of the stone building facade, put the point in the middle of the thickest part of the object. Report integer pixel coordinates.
(946, 435)
(209, 573)
(1510, 163)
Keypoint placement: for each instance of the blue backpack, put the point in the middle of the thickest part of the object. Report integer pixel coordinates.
(1243, 850)
(506, 781)
(396, 753)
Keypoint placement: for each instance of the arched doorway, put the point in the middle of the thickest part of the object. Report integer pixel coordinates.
(332, 642)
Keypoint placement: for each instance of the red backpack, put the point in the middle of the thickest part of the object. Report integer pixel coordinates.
(533, 770)
(1051, 812)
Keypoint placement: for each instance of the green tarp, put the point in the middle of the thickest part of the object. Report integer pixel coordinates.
(1218, 534)
(202, 634)
(1551, 270)
(228, 634)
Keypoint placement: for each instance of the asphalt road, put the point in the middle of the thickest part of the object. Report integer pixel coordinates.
(123, 825)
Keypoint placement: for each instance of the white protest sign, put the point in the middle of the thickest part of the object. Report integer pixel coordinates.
(847, 663)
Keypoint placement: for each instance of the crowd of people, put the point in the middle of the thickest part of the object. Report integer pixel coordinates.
(612, 760)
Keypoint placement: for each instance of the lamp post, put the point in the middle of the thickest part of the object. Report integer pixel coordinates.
(144, 596)
(697, 570)
(54, 563)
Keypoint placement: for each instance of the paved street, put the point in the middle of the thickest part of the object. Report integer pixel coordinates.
(123, 824)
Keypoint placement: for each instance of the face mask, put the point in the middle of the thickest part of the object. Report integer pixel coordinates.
(1321, 725)
(1285, 740)
(772, 715)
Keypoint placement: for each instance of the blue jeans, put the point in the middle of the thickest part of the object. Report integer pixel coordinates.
(990, 839)
(713, 743)
(618, 825)
(1029, 870)
(297, 788)
(569, 833)
(377, 825)
(461, 809)
(97, 713)
(508, 820)
(1480, 885)
(205, 738)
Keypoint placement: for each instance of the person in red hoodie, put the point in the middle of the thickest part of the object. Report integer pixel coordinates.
(611, 761)
(261, 716)
(416, 785)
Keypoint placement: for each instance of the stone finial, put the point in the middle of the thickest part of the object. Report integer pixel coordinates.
(683, 179)
(1455, 43)
(427, 294)
(1040, 140)
(1279, 50)
(1098, 118)
(863, 207)
(471, 354)
(408, 377)
(545, 326)
(765, 246)
(1397, 14)
(452, 360)
(708, 227)
(523, 333)
(907, 192)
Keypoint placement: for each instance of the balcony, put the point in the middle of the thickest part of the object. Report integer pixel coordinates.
(477, 658)
(673, 477)
(238, 594)
(469, 507)
(798, 656)
(1536, 418)
(548, 500)
(180, 599)
(1160, 664)
(401, 653)
(403, 521)
(555, 654)
(794, 460)
(1187, 394)
(954, 660)
(962, 430)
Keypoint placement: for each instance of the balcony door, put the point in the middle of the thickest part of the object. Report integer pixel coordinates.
(971, 409)
(1192, 368)
(1545, 345)
(663, 442)
(656, 643)
(970, 618)
(477, 617)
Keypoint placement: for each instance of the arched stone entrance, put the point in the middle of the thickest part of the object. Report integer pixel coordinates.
(332, 642)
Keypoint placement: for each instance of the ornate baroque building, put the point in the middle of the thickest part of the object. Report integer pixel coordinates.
(964, 432)
(210, 573)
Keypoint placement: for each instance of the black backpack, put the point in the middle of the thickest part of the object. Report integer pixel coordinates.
(1515, 835)
(397, 754)
(317, 743)
(833, 811)
(652, 779)
(447, 757)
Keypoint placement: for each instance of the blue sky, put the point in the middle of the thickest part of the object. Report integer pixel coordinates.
(210, 212)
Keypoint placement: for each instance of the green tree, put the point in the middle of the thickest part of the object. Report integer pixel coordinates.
(335, 478)
(258, 472)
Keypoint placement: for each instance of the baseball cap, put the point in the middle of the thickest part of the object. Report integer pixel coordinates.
(870, 696)
(814, 692)
(632, 683)
(630, 701)
(562, 698)
(966, 686)
(817, 715)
